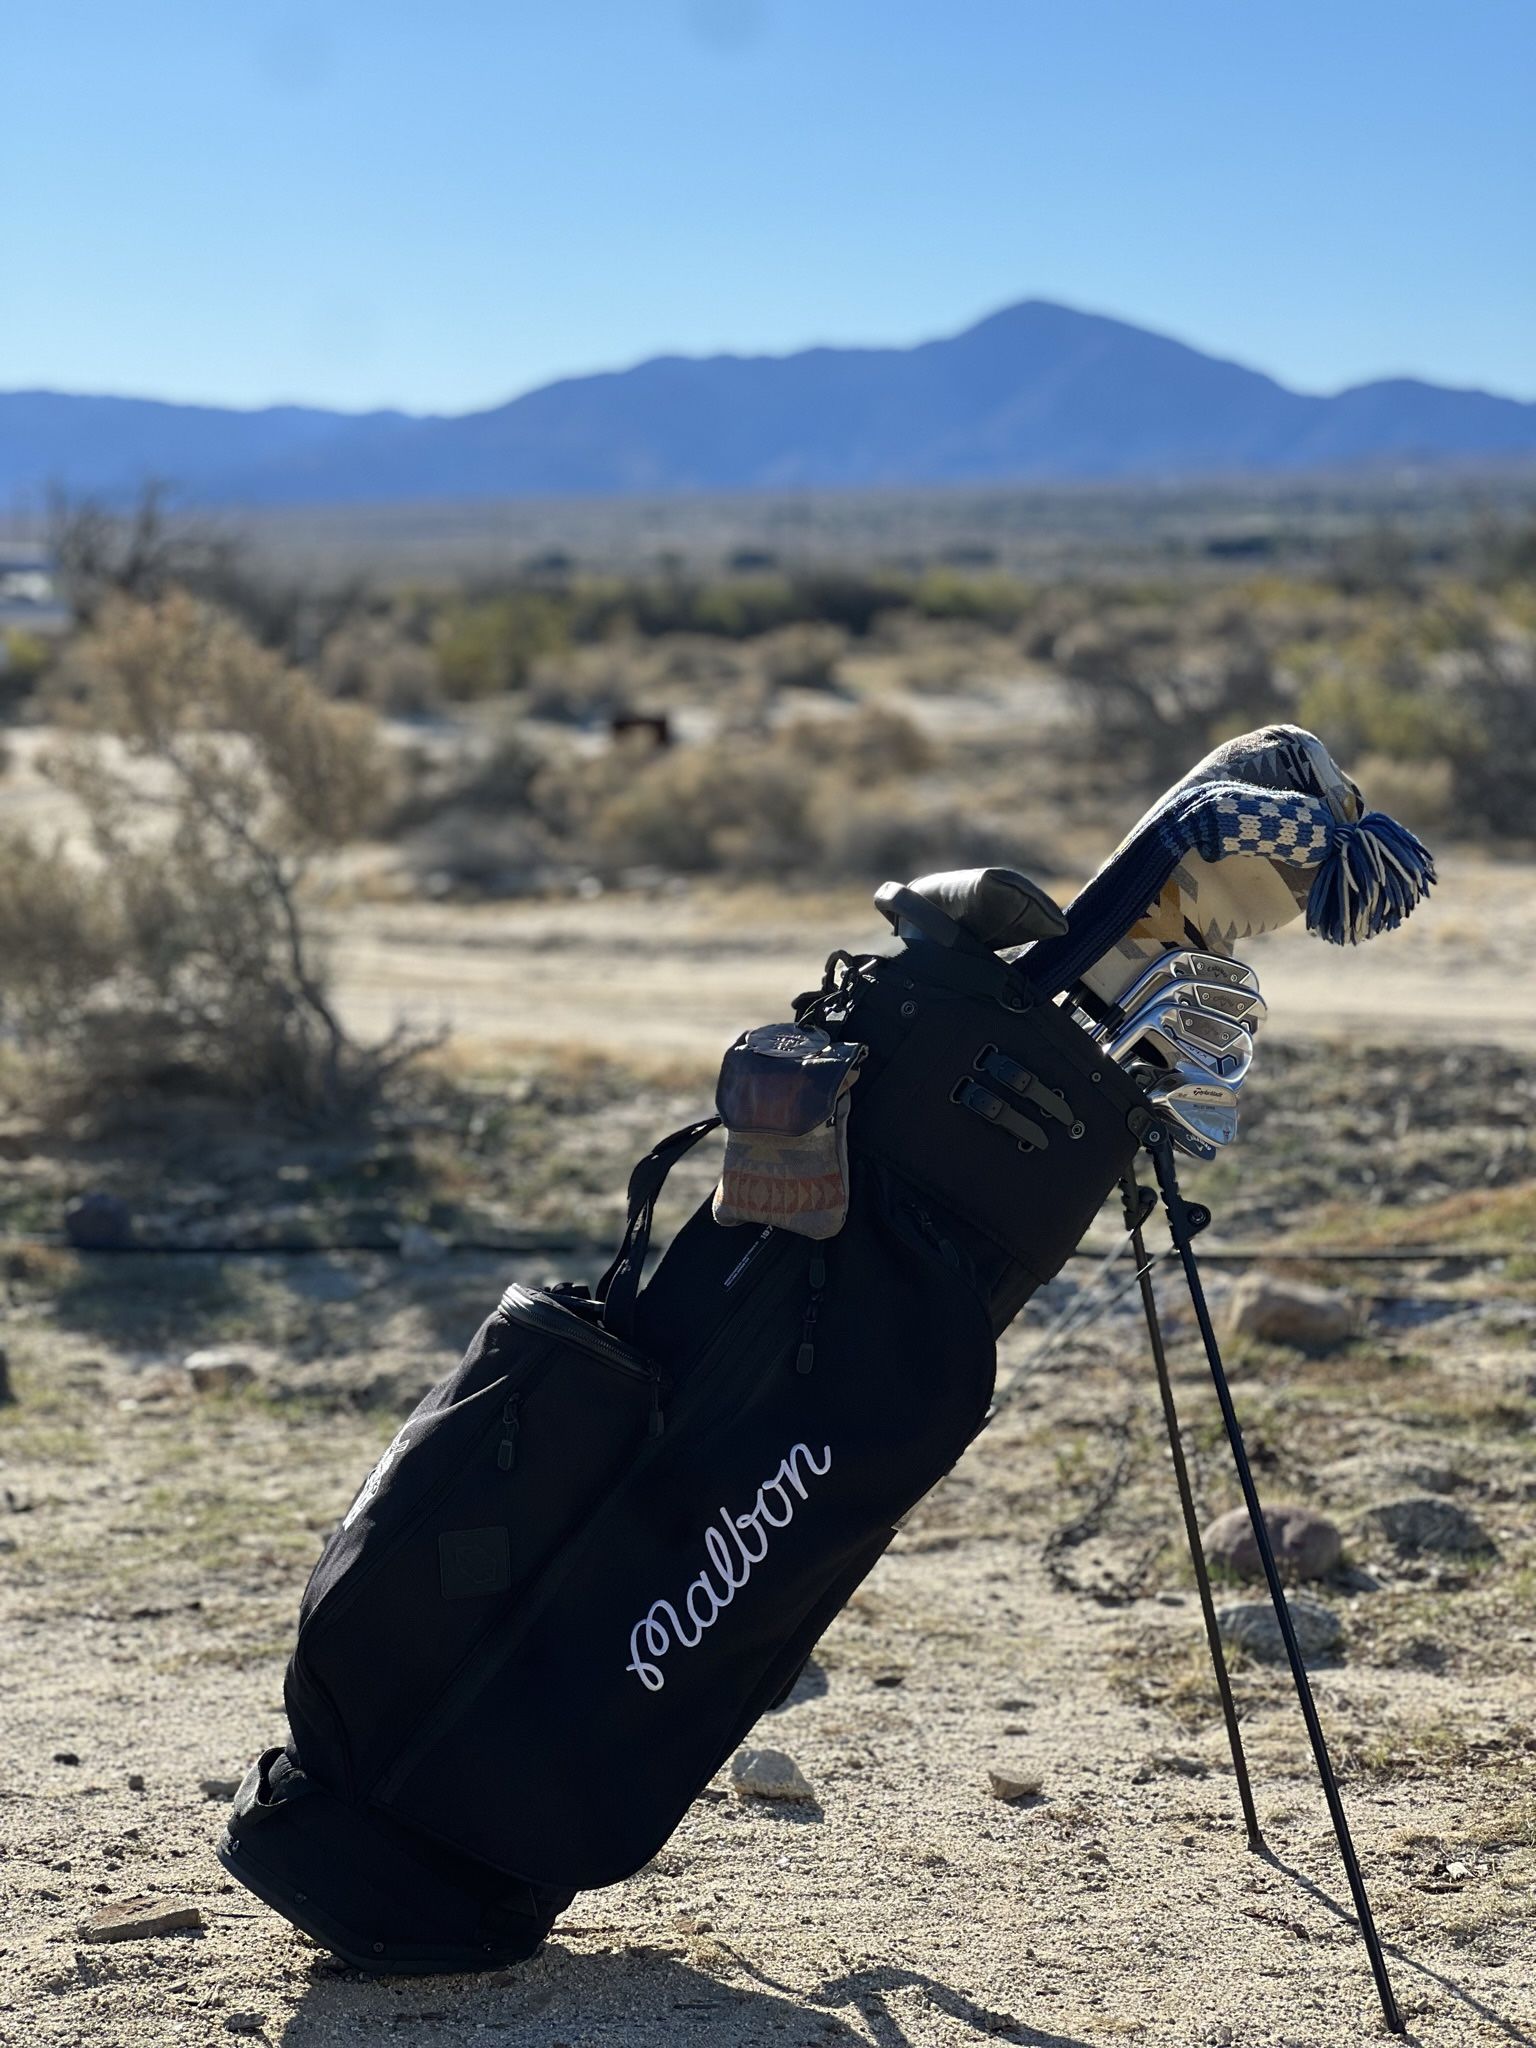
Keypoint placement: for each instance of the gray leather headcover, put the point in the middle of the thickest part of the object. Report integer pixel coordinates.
(998, 906)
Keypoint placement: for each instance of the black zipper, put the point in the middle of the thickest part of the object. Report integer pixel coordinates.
(930, 1230)
(475, 1673)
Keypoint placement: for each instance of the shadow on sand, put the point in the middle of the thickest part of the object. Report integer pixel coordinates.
(1403, 1967)
(641, 1995)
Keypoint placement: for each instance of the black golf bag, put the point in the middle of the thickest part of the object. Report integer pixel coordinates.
(617, 1530)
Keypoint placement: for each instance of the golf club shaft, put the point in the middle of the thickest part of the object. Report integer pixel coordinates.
(1178, 1224)
(1131, 1192)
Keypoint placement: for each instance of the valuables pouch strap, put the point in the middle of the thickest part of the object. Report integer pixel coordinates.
(620, 1285)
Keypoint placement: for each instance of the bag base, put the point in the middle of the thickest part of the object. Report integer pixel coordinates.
(379, 1896)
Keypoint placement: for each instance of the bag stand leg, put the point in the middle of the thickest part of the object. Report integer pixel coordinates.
(1184, 1219)
(1139, 1203)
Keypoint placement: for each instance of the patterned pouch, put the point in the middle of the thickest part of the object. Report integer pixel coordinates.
(783, 1098)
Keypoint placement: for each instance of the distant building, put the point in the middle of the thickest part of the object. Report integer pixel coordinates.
(30, 598)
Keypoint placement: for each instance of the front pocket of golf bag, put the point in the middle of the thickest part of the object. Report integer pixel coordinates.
(462, 1512)
(676, 1618)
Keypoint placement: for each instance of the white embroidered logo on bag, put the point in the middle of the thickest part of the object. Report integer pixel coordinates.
(375, 1479)
(735, 1543)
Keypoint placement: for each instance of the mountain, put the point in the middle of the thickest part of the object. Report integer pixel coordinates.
(1037, 393)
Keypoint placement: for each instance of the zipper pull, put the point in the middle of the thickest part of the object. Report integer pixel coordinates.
(506, 1450)
(940, 1243)
(805, 1357)
(658, 1420)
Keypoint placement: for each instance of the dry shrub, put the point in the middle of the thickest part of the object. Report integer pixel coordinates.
(1153, 700)
(487, 649)
(825, 796)
(871, 744)
(582, 688)
(1458, 694)
(24, 661)
(887, 834)
(210, 777)
(371, 661)
(720, 807)
(1417, 792)
(803, 657)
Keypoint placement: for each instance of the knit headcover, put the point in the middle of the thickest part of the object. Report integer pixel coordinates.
(1265, 827)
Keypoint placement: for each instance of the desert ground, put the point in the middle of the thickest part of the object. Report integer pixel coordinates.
(1036, 1616)
(694, 969)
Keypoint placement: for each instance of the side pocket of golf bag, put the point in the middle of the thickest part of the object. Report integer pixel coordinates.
(483, 1482)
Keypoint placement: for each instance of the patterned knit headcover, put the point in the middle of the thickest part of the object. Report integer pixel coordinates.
(1286, 828)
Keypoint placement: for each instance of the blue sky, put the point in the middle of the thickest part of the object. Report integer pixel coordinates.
(361, 202)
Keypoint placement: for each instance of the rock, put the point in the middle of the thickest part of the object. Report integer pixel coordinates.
(7, 1392)
(1177, 1764)
(1169, 1763)
(137, 1918)
(65, 1756)
(219, 1369)
(245, 2023)
(1013, 1785)
(1306, 1544)
(768, 1774)
(1251, 1625)
(218, 1788)
(98, 1222)
(1290, 1312)
(420, 1246)
(135, 1781)
(1424, 1523)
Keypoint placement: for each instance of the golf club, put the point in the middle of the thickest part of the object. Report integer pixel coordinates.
(1173, 1031)
(1243, 1005)
(1184, 966)
(1207, 1109)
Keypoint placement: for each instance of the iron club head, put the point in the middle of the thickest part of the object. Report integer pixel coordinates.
(1244, 1006)
(1184, 966)
(1208, 1109)
(1173, 1033)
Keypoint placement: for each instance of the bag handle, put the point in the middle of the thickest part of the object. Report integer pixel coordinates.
(620, 1285)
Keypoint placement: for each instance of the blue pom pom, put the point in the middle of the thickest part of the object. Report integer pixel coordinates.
(1373, 874)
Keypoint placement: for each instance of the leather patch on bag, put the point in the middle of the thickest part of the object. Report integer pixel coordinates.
(474, 1562)
(783, 1097)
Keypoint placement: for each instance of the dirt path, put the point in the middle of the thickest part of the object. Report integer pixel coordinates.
(684, 974)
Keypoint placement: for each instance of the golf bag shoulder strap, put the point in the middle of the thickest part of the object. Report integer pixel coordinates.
(621, 1283)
